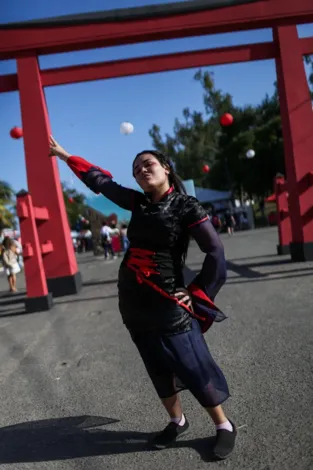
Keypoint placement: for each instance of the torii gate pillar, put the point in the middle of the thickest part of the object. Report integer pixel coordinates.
(297, 123)
(60, 265)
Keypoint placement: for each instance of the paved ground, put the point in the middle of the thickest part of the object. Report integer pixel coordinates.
(74, 394)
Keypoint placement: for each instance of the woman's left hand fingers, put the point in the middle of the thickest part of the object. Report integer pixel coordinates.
(182, 292)
(183, 298)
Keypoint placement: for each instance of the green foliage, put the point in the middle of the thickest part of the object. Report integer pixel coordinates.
(198, 139)
(7, 215)
(74, 203)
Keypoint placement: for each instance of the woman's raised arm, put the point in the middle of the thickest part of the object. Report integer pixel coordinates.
(97, 179)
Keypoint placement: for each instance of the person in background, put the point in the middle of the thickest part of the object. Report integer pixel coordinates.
(11, 264)
(230, 223)
(6, 242)
(88, 239)
(19, 252)
(106, 233)
(124, 238)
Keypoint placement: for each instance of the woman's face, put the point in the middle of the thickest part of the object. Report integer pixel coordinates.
(149, 173)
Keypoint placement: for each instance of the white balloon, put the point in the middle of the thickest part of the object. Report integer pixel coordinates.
(250, 153)
(126, 128)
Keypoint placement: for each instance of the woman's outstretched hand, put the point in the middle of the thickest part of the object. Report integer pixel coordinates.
(57, 151)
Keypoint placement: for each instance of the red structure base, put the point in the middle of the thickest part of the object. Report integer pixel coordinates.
(283, 250)
(38, 304)
(301, 251)
(66, 285)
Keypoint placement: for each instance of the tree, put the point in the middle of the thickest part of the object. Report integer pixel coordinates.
(7, 216)
(201, 139)
(74, 204)
(195, 138)
(259, 129)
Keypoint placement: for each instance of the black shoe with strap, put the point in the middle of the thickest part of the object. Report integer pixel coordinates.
(225, 442)
(168, 436)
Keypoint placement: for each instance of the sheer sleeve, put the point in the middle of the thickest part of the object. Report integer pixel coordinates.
(213, 273)
(101, 181)
(194, 213)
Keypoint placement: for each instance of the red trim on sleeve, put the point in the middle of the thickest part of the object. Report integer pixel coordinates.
(198, 222)
(78, 165)
(197, 292)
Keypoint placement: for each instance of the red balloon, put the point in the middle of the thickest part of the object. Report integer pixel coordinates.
(226, 120)
(206, 168)
(16, 132)
(71, 200)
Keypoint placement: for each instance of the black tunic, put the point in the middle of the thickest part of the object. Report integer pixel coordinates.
(152, 269)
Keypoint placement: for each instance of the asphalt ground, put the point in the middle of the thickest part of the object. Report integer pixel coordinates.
(75, 395)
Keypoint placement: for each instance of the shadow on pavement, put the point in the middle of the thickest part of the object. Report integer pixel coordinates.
(246, 276)
(92, 259)
(243, 270)
(272, 255)
(16, 313)
(5, 295)
(90, 299)
(97, 282)
(12, 301)
(78, 437)
(276, 262)
(18, 300)
(232, 281)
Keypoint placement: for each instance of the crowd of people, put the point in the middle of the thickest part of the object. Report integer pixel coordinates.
(229, 221)
(111, 238)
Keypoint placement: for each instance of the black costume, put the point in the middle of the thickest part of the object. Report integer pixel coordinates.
(166, 332)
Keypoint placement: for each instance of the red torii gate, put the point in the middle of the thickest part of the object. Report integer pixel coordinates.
(26, 41)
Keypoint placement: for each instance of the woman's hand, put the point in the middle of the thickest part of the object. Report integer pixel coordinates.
(57, 151)
(183, 297)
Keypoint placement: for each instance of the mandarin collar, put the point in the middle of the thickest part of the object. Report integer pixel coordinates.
(165, 196)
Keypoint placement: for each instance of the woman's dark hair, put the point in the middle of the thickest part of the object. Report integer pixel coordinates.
(173, 177)
(7, 242)
(175, 181)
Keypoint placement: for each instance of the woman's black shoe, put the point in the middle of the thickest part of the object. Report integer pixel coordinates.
(225, 442)
(168, 435)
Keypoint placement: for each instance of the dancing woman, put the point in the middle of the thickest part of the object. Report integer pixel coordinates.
(165, 320)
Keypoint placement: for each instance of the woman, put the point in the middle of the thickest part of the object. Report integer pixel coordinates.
(11, 264)
(154, 304)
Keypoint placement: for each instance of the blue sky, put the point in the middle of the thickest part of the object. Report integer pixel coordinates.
(85, 117)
